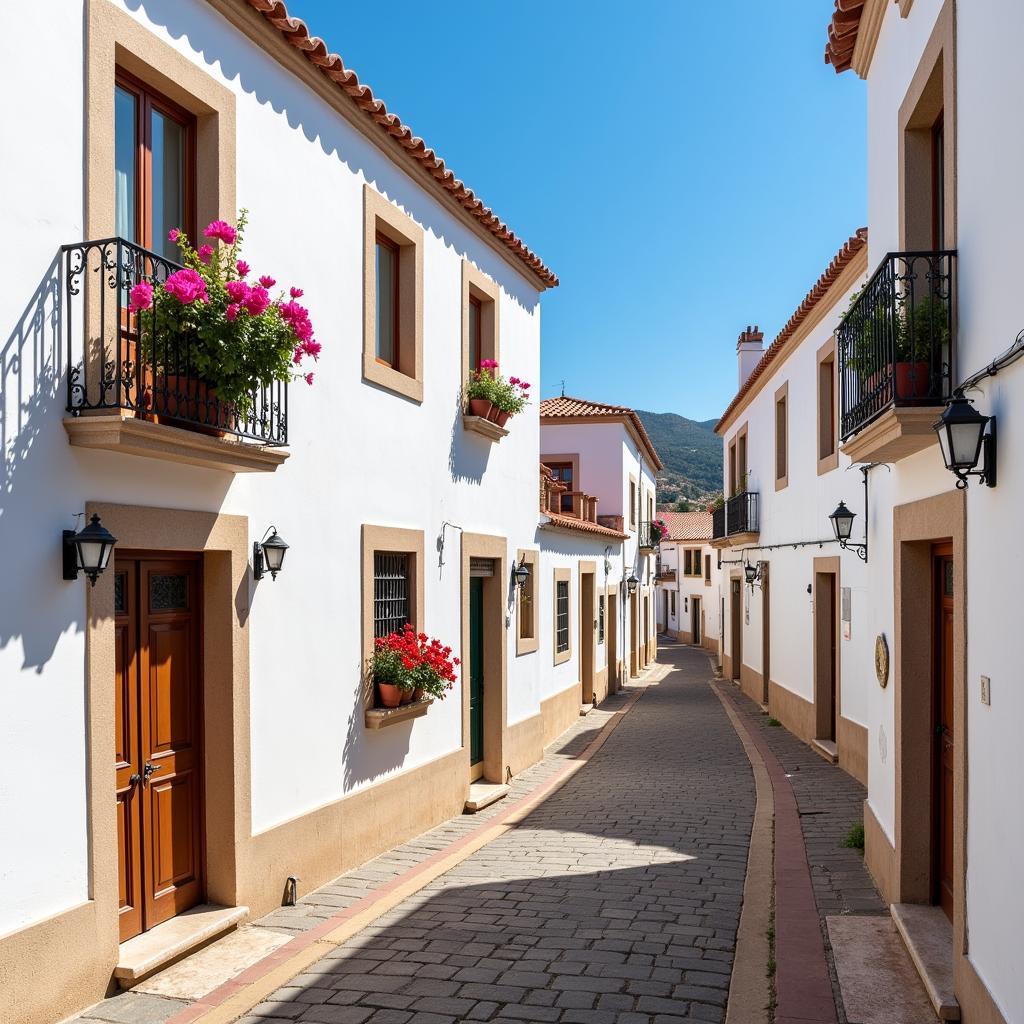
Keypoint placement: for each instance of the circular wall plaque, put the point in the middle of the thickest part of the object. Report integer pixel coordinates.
(882, 660)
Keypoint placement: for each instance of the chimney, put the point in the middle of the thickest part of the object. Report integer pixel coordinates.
(749, 349)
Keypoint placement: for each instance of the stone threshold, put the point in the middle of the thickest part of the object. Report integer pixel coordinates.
(147, 953)
(826, 749)
(483, 794)
(928, 936)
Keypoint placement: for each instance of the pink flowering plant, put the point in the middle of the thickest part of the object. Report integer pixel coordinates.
(510, 395)
(231, 331)
(659, 530)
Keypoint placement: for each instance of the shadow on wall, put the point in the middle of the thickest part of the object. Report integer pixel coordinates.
(32, 380)
(469, 452)
(240, 60)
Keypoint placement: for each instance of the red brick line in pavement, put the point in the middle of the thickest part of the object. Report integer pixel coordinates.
(301, 942)
(803, 988)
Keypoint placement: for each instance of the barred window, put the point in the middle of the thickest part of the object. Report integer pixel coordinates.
(600, 619)
(562, 617)
(390, 592)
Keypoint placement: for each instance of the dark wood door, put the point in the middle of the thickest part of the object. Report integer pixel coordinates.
(587, 636)
(695, 620)
(737, 627)
(943, 745)
(159, 755)
(476, 670)
(830, 619)
(766, 634)
(611, 619)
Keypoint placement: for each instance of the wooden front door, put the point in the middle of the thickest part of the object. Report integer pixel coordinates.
(943, 749)
(587, 636)
(158, 750)
(766, 634)
(737, 627)
(476, 669)
(611, 619)
(695, 620)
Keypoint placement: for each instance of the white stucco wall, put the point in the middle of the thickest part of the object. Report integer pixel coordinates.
(358, 454)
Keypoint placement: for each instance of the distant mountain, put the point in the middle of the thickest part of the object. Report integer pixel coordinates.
(692, 454)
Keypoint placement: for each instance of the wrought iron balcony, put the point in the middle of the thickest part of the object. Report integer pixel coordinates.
(648, 535)
(896, 342)
(109, 369)
(737, 515)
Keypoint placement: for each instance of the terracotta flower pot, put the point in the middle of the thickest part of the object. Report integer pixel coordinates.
(181, 401)
(390, 695)
(480, 407)
(417, 694)
(912, 380)
(406, 697)
(502, 417)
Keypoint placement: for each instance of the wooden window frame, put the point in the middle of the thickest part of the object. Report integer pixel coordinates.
(479, 288)
(707, 570)
(561, 576)
(634, 497)
(828, 412)
(564, 459)
(738, 481)
(383, 218)
(530, 644)
(383, 241)
(781, 419)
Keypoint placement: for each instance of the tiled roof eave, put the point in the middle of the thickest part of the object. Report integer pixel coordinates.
(295, 33)
(551, 520)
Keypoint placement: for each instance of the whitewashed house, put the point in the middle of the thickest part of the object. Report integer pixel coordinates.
(598, 501)
(689, 580)
(202, 735)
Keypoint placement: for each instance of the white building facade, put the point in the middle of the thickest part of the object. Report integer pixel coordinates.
(598, 500)
(214, 734)
(689, 580)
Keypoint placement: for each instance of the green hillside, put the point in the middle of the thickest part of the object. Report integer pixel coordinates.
(692, 454)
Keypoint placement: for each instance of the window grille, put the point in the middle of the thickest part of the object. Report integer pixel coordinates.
(562, 617)
(600, 620)
(390, 592)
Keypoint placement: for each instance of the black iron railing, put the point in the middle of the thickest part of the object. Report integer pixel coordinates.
(896, 342)
(649, 535)
(109, 368)
(737, 515)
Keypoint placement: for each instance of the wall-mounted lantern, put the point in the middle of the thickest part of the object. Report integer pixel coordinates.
(842, 520)
(964, 441)
(631, 584)
(521, 574)
(268, 555)
(752, 573)
(88, 550)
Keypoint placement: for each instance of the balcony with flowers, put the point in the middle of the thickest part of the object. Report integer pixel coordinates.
(186, 361)
(492, 400)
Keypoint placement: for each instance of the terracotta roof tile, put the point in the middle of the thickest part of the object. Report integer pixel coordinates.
(842, 34)
(840, 261)
(572, 523)
(314, 49)
(566, 408)
(687, 525)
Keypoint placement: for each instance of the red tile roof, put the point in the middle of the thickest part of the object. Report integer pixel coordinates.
(842, 34)
(842, 259)
(314, 49)
(572, 523)
(687, 525)
(566, 408)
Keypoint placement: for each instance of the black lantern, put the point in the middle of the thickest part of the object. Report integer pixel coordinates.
(521, 574)
(268, 555)
(88, 550)
(752, 573)
(631, 584)
(963, 441)
(842, 523)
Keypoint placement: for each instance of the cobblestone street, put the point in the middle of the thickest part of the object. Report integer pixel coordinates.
(617, 898)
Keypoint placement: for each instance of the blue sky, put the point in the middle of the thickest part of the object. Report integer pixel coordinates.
(685, 168)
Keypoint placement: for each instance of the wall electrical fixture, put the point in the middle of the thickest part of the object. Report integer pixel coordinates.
(268, 554)
(752, 573)
(88, 550)
(631, 584)
(964, 441)
(842, 519)
(521, 574)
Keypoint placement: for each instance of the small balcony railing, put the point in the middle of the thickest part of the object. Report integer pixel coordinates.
(648, 535)
(108, 369)
(737, 515)
(896, 344)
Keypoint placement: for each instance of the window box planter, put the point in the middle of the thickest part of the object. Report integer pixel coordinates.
(484, 427)
(381, 718)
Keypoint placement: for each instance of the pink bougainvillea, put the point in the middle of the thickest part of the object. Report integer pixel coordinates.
(140, 297)
(205, 252)
(221, 229)
(187, 286)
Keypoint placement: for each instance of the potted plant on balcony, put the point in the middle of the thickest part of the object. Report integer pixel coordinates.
(494, 398)
(405, 665)
(920, 335)
(209, 339)
(659, 531)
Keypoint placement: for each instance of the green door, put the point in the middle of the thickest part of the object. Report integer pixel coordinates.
(476, 670)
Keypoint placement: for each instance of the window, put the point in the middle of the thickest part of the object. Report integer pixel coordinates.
(827, 455)
(738, 463)
(387, 338)
(672, 602)
(707, 568)
(526, 628)
(600, 619)
(390, 592)
(154, 166)
(692, 562)
(632, 503)
(686, 562)
(782, 437)
(562, 617)
(475, 319)
(650, 508)
(393, 297)
(938, 186)
(562, 472)
(480, 301)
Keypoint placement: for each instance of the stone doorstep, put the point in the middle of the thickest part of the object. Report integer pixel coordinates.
(147, 953)
(826, 749)
(483, 794)
(928, 936)
(585, 709)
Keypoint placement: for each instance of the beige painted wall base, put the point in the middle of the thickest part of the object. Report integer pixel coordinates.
(852, 743)
(792, 710)
(751, 684)
(879, 856)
